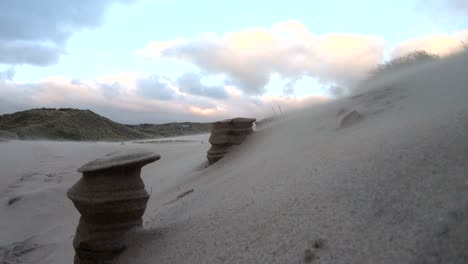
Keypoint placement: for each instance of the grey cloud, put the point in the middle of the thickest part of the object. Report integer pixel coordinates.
(110, 90)
(15, 97)
(251, 83)
(288, 89)
(8, 74)
(152, 87)
(18, 97)
(75, 81)
(460, 6)
(36, 32)
(8, 107)
(200, 102)
(441, 8)
(114, 104)
(190, 83)
(34, 53)
(214, 58)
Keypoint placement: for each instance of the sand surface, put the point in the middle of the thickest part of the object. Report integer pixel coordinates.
(387, 186)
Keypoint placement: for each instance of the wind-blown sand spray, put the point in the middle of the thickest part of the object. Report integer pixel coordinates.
(111, 199)
(388, 185)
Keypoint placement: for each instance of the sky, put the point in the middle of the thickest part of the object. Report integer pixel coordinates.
(156, 61)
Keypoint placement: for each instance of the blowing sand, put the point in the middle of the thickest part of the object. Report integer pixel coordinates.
(389, 186)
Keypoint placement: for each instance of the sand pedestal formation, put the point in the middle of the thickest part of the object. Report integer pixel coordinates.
(111, 199)
(227, 133)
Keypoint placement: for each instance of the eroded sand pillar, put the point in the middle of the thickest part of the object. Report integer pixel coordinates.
(111, 199)
(226, 133)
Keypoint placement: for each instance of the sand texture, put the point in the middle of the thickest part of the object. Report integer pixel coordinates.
(378, 177)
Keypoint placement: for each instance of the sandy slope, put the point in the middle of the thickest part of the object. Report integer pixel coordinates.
(39, 227)
(390, 188)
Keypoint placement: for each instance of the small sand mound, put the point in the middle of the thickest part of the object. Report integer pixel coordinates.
(350, 119)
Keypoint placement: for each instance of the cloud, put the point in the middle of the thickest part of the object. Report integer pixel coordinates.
(36, 32)
(8, 74)
(34, 53)
(460, 6)
(152, 87)
(75, 81)
(155, 48)
(443, 11)
(288, 88)
(110, 91)
(125, 104)
(190, 83)
(436, 44)
(197, 102)
(248, 58)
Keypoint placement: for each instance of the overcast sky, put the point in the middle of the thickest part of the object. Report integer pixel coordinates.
(172, 60)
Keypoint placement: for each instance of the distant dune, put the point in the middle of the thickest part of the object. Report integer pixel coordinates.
(172, 129)
(4, 135)
(75, 124)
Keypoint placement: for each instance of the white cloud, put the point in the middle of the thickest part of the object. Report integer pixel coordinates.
(247, 58)
(436, 44)
(154, 49)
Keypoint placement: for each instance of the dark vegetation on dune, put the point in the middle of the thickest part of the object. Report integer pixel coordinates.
(172, 129)
(402, 62)
(410, 59)
(75, 124)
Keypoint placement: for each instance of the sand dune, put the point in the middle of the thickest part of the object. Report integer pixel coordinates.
(389, 184)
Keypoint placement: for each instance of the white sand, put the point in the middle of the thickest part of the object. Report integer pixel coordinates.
(392, 188)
